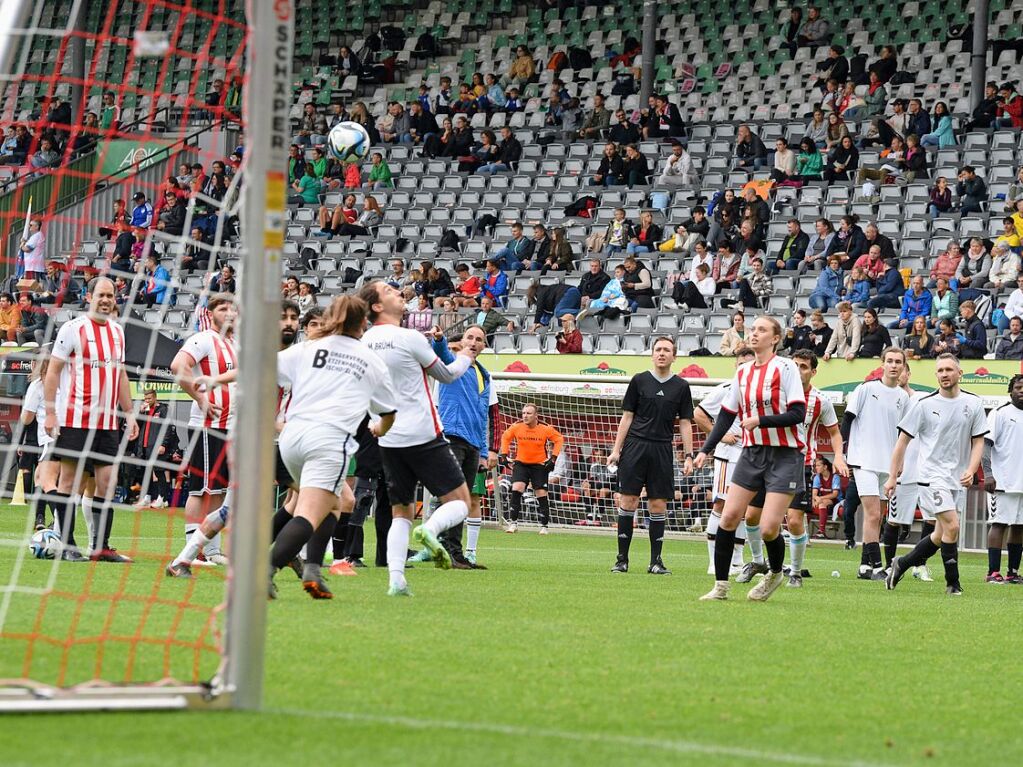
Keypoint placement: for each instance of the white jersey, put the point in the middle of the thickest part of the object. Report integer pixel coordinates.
(34, 403)
(768, 389)
(878, 410)
(819, 412)
(410, 359)
(1005, 433)
(945, 427)
(711, 405)
(90, 382)
(213, 355)
(334, 382)
(911, 463)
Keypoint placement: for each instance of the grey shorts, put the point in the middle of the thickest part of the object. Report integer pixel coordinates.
(771, 469)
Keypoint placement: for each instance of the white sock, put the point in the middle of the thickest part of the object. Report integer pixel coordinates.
(447, 516)
(190, 527)
(397, 549)
(473, 526)
(213, 547)
(737, 554)
(195, 542)
(797, 549)
(756, 543)
(713, 522)
(87, 513)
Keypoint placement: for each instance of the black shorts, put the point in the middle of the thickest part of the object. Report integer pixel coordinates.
(802, 500)
(647, 464)
(771, 469)
(100, 447)
(282, 476)
(534, 474)
(468, 457)
(431, 463)
(208, 470)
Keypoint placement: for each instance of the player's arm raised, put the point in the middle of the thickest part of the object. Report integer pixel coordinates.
(435, 367)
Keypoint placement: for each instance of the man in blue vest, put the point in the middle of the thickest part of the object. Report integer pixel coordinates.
(468, 410)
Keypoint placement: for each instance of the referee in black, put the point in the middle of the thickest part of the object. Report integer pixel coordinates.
(643, 450)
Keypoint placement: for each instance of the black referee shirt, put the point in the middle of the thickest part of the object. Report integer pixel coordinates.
(656, 405)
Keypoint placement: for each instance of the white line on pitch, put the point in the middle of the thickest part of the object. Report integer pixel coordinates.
(677, 746)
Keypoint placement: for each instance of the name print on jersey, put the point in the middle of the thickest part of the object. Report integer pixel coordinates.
(339, 362)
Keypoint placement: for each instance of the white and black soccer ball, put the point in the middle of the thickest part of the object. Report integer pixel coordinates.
(45, 544)
(348, 142)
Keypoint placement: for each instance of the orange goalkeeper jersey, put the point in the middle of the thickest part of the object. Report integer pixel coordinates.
(531, 442)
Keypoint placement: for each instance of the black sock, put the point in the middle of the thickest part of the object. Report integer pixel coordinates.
(1015, 555)
(64, 510)
(626, 519)
(873, 551)
(102, 524)
(890, 535)
(545, 509)
(775, 553)
(290, 541)
(451, 539)
(281, 518)
(656, 538)
(516, 505)
(339, 538)
(994, 559)
(923, 551)
(950, 558)
(382, 524)
(724, 546)
(864, 555)
(317, 545)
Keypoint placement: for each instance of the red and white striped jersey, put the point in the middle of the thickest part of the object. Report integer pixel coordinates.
(819, 412)
(90, 383)
(213, 355)
(768, 389)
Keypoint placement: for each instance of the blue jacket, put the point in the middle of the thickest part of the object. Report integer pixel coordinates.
(498, 290)
(142, 215)
(890, 283)
(859, 293)
(463, 408)
(829, 283)
(974, 345)
(914, 306)
(161, 283)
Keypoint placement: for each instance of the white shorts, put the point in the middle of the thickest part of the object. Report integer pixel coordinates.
(1005, 508)
(723, 469)
(902, 508)
(869, 482)
(935, 500)
(317, 457)
(47, 452)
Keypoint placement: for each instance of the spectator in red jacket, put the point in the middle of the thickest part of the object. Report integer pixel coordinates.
(569, 339)
(1010, 107)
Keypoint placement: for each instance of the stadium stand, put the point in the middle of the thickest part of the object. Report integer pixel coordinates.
(371, 56)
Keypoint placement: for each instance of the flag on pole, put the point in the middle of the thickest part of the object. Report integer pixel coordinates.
(28, 219)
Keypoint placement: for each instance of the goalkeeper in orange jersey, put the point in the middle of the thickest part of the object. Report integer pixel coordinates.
(536, 448)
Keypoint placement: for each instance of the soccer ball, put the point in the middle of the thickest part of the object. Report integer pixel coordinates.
(45, 544)
(348, 142)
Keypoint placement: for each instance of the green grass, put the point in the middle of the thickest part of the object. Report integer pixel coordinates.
(547, 659)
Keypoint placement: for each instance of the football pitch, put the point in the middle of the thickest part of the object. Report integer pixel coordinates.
(548, 659)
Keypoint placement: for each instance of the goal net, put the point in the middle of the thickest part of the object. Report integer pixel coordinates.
(586, 411)
(129, 154)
